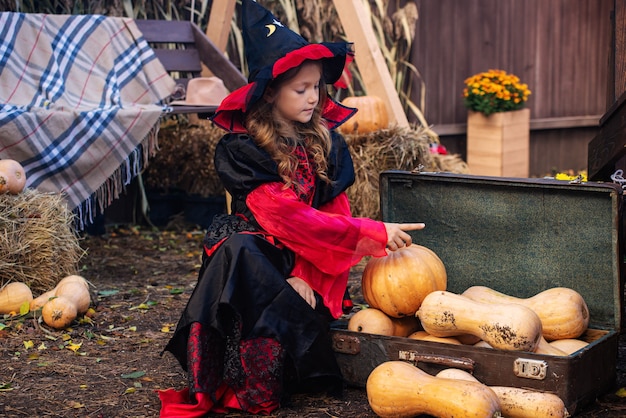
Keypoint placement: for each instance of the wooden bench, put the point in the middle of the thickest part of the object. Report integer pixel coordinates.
(183, 48)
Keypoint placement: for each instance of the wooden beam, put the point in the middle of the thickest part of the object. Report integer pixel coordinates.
(221, 16)
(369, 58)
(216, 61)
(218, 28)
(563, 122)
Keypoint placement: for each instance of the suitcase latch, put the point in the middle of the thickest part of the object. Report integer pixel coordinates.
(530, 369)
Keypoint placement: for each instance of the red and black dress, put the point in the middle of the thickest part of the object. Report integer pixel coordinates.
(246, 338)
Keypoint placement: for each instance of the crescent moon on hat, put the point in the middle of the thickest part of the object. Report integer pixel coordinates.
(271, 29)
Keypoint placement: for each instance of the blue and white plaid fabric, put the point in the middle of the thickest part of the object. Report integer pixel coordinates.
(80, 102)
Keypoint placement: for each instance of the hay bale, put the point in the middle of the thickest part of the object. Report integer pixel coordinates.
(395, 148)
(193, 144)
(38, 243)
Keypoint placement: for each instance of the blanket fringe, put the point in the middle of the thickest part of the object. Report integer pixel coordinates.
(132, 166)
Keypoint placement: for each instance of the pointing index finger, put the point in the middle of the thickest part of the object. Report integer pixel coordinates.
(412, 226)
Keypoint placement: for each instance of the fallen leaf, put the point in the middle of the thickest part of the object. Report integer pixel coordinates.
(74, 347)
(75, 404)
(134, 375)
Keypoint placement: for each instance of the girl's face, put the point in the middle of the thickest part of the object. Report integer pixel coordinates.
(296, 98)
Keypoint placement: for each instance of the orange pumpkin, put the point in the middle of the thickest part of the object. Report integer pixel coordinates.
(372, 115)
(398, 283)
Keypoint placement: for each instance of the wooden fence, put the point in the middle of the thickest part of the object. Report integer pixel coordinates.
(560, 48)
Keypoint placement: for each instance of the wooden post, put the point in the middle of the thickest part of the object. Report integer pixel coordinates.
(218, 29)
(606, 152)
(369, 58)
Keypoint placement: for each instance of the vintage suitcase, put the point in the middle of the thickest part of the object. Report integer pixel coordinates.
(518, 236)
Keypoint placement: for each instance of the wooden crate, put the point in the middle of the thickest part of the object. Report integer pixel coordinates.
(499, 144)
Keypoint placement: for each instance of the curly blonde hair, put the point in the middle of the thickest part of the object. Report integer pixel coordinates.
(273, 134)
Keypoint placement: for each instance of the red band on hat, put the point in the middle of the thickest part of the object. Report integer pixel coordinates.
(294, 58)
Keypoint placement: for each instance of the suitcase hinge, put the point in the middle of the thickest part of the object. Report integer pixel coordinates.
(346, 344)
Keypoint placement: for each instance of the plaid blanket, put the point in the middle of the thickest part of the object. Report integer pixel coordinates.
(80, 102)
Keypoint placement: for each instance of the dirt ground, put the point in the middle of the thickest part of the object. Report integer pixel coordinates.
(109, 364)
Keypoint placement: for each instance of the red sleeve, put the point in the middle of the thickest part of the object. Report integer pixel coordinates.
(327, 241)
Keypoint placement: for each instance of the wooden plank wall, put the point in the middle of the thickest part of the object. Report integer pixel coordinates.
(560, 48)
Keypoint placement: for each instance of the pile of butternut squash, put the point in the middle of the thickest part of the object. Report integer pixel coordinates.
(551, 322)
(59, 306)
(399, 389)
(412, 282)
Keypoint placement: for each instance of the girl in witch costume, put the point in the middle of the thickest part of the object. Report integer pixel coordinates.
(274, 273)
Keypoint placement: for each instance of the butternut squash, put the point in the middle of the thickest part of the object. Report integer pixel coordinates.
(13, 295)
(424, 336)
(468, 339)
(76, 292)
(517, 402)
(73, 278)
(505, 326)
(544, 347)
(73, 287)
(371, 321)
(399, 389)
(563, 311)
(59, 312)
(41, 300)
(375, 321)
(569, 345)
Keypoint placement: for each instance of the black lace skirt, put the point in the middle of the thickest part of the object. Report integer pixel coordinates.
(242, 296)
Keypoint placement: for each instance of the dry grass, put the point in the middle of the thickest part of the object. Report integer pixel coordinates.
(38, 242)
(395, 148)
(184, 160)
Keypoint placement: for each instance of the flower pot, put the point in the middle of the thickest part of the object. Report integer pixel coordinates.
(498, 144)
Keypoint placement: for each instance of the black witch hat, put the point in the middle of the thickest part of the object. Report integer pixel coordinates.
(271, 49)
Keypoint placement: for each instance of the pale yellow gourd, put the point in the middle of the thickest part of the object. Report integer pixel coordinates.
(517, 402)
(504, 326)
(400, 390)
(569, 345)
(563, 311)
(424, 336)
(13, 295)
(375, 321)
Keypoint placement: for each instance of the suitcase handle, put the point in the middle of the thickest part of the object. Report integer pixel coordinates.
(447, 361)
